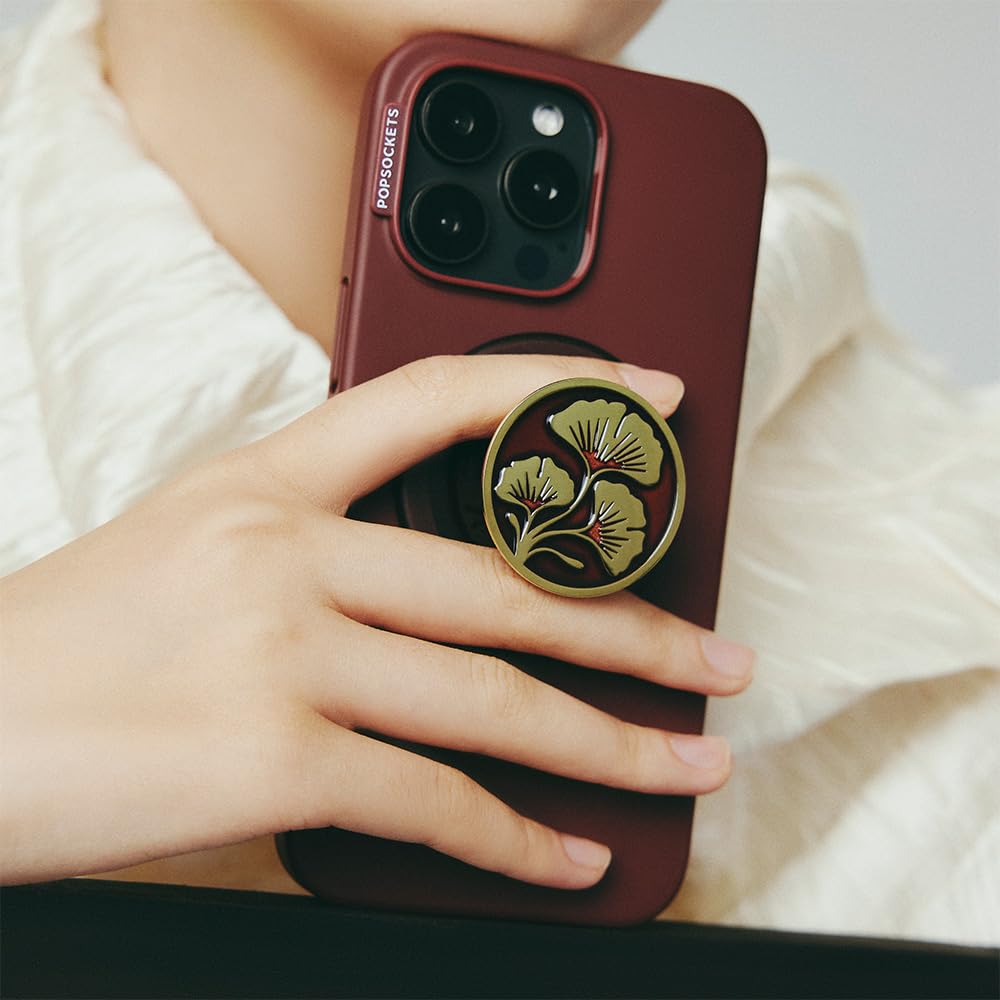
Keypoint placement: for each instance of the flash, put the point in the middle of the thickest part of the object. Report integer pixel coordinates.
(547, 119)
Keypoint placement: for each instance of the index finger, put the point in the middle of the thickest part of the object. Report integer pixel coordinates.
(370, 433)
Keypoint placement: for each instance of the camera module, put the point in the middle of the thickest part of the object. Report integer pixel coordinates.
(541, 188)
(496, 181)
(459, 122)
(448, 223)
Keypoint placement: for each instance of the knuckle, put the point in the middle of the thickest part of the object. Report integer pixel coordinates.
(526, 847)
(248, 520)
(453, 795)
(658, 645)
(463, 812)
(570, 366)
(221, 506)
(254, 563)
(682, 660)
(249, 536)
(281, 639)
(633, 754)
(518, 600)
(432, 379)
(504, 690)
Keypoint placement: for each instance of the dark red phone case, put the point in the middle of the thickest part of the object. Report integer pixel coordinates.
(677, 207)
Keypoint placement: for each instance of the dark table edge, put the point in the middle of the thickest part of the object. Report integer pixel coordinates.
(84, 937)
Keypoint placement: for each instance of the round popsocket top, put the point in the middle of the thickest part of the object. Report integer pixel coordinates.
(583, 487)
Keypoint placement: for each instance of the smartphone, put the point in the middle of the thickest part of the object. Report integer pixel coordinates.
(509, 200)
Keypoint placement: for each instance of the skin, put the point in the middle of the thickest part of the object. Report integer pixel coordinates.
(195, 673)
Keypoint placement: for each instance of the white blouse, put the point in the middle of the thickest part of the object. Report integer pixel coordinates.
(863, 559)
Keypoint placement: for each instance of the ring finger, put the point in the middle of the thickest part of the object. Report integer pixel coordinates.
(416, 690)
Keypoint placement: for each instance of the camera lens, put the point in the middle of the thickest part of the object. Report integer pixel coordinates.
(541, 188)
(459, 122)
(447, 223)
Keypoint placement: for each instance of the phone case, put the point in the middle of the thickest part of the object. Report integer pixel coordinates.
(666, 282)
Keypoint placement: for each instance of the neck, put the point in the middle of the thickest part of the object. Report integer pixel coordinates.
(257, 124)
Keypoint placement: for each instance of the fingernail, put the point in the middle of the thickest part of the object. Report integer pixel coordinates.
(586, 853)
(660, 388)
(708, 752)
(725, 657)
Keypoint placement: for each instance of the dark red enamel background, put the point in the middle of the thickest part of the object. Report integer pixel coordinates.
(532, 435)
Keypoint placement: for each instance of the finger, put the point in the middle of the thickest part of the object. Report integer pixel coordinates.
(415, 690)
(363, 437)
(360, 784)
(405, 581)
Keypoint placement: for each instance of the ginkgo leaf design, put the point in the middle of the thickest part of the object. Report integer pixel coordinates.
(616, 526)
(610, 438)
(535, 482)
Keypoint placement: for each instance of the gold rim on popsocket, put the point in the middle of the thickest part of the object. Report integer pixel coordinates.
(583, 487)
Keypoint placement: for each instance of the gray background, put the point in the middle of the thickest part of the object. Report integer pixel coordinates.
(895, 101)
(898, 103)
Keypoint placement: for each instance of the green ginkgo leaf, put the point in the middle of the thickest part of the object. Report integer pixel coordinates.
(535, 482)
(616, 525)
(610, 438)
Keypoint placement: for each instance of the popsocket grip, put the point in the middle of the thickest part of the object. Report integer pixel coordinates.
(583, 487)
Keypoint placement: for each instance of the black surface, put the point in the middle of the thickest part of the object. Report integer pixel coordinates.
(106, 939)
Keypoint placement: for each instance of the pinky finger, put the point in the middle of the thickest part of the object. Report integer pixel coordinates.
(360, 784)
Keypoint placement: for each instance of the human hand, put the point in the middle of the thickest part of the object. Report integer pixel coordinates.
(194, 672)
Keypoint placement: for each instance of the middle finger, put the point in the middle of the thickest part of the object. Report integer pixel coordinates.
(448, 591)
